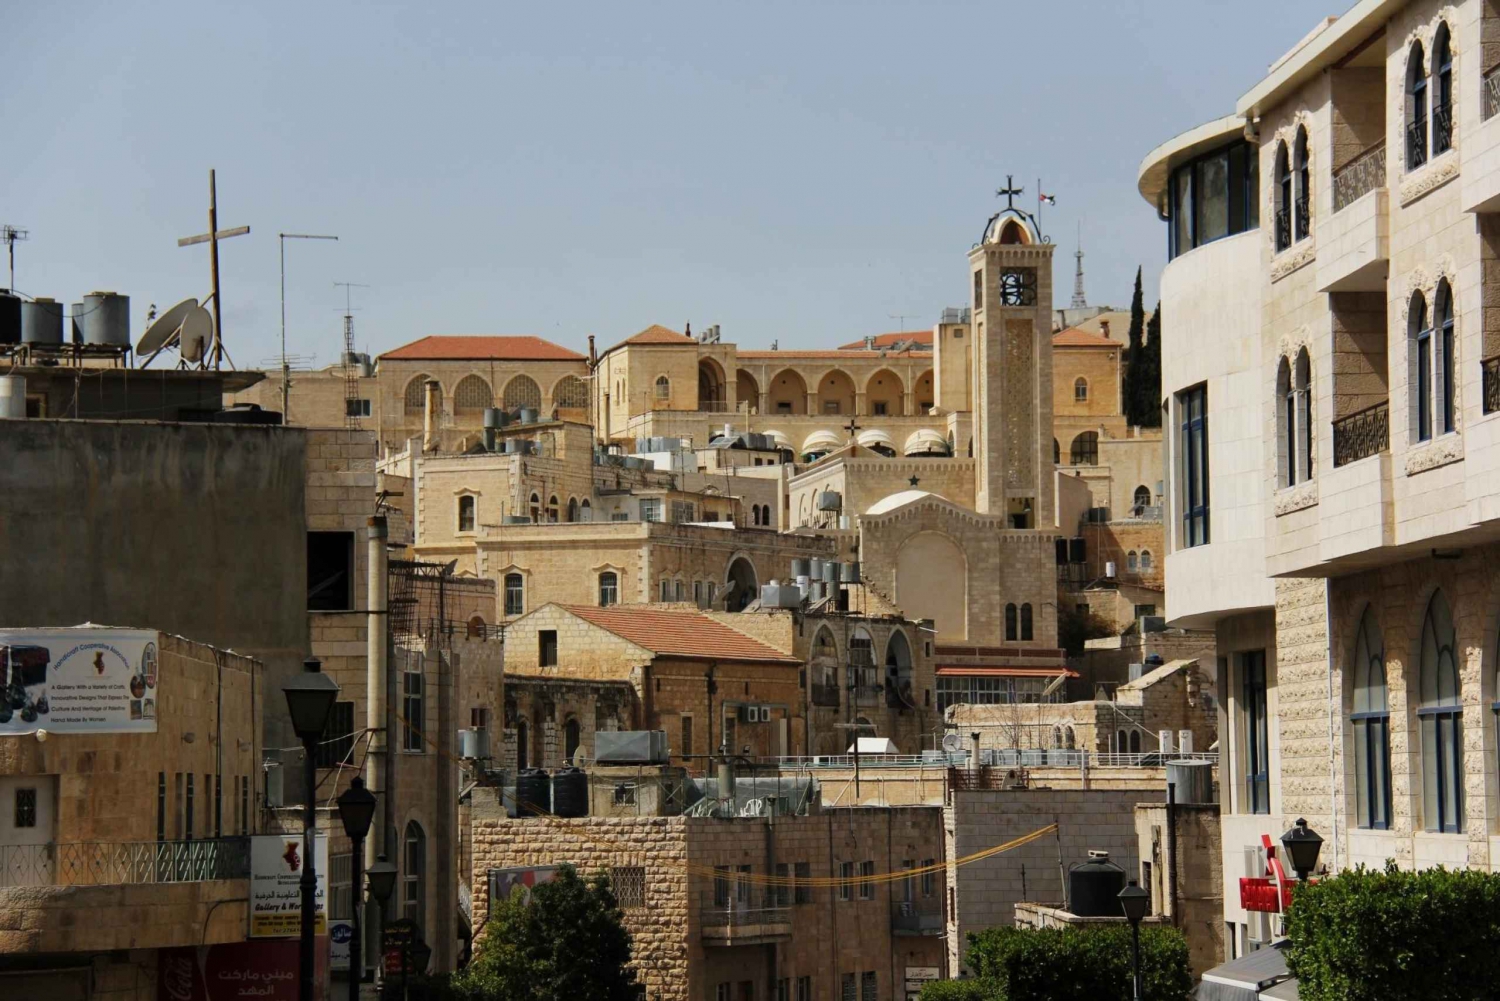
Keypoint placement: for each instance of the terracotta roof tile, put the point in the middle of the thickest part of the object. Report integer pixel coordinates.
(887, 340)
(832, 354)
(684, 633)
(657, 334)
(1075, 338)
(481, 347)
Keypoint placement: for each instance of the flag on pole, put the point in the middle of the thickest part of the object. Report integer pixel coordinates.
(1048, 199)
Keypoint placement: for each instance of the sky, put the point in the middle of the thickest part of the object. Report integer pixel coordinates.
(803, 173)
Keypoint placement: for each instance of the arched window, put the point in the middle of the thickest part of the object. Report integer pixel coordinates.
(1286, 419)
(1012, 622)
(1142, 498)
(571, 737)
(1122, 743)
(1420, 334)
(1303, 205)
(415, 397)
(1442, 97)
(1080, 389)
(572, 509)
(1057, 737)
(570, 392)
(1131, 561)
(1283, 198)
(536, 509)
(515, 594)
(1145, 560)
(1085, 450)
(466, 513)
(1056, 453)
(1371, 719)
(585, 510)
(1442, 326)
(476, 627)
(1070, 741)
(1302, 386)
(471, 396)
(825, 656)
(522, 757)
(755, 514)
(552, 509)
(522, 391)
(1416, 108)
(414, 875)
(609, 588)
(1026, 632)
(1440, 714)
(1135, 742)
(663, 388)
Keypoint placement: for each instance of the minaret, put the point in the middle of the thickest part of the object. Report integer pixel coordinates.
(1080, 301)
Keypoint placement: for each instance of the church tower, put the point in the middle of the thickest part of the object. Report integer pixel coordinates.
(1011, 277)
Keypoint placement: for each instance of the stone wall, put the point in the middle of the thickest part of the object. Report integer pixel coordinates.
(1198, 910)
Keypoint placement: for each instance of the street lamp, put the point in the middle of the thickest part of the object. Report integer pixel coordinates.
(309, 699)
(382, 879)
(1134, 901)
(1302, 845)
(356, 810)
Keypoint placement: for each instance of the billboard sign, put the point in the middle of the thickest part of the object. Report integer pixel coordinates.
(504, 882)
(81, 680)
(340, 935)
(234, 971)
(275, 885)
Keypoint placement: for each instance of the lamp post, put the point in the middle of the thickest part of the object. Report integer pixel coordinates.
(309, 699)
(382, 879)
(1302, 845)
(356, 810)
(1134, 901)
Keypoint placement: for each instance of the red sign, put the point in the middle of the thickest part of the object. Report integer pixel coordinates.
(237, 971)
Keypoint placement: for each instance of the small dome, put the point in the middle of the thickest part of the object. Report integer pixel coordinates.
(1011, 226)
(890, 503)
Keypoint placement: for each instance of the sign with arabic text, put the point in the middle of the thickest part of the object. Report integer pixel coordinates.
(81, 680)
(276, 885)
(235, 971)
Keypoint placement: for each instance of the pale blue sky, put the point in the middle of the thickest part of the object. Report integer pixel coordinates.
(792, 172)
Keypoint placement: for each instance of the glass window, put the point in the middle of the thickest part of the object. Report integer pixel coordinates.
(1182, 211)
(846, 880)
(1026, 622)
(414, 891)
(1416, 108)
(1257, 739)
(1193, 449)
(1443, 326)
(609, 588)
(411, 706)
(1080, 389)
(866, 887)
(515, 602)
(1441, 716)
(1303, 206)
(1011, 622)
(546, 641)
(650, 508)
(1211, 188)
(1442, 97)
(1371, 720)
(1421, 392)
(1213, 196)
(466, 513)
(802, 875)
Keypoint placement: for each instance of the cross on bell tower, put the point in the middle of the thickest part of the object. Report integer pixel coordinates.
(1010, 191)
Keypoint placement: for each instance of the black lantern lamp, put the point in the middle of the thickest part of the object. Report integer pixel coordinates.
(1302, 845)
(1135, 901)
(382, 879)
(356, 810)
(421, 956)
(309, 698)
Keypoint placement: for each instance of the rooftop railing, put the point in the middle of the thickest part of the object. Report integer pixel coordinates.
(1000, 757)
(1359, 176)
(103, 863)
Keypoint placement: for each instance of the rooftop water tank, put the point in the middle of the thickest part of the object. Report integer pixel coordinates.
(800, 568)
(42, 322)
(528, 415)
(10, 317)
(1194, 781)
(533, 793)
(494, 417)
(1094, 887)
(570, 793)
(850, 572)
(106, 319)
(474, 744)
(831, 571)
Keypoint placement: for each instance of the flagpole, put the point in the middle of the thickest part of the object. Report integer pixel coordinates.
(1039, 206)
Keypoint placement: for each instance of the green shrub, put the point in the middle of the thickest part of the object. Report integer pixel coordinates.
(957, 990)
(1397, 936)
(1027, 964)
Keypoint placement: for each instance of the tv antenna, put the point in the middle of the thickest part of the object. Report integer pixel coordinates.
(13, 235)
(212, 238)
(351, 374)
(286, 360)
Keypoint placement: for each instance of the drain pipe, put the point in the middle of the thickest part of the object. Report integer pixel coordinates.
(376, 626)
(1172, 852)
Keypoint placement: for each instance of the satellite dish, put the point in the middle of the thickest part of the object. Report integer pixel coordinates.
(452, 566)
(160, 333)
(952, 743)
(196, 333)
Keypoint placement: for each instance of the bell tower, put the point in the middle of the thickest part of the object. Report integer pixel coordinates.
(1011, 278)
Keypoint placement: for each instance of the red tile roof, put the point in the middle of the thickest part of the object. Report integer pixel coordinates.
(889, 340)
(657, 334)
(686, 633)
(832, 354)
(480, 347)
(1075, 338)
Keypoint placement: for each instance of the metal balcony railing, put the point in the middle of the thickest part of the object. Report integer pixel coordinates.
(1304, 217)
(825, 695)
(1362, 434)
(1442, 130)
(738, 907)
(1416, 144)
(916, 917)
(1490, 369)
(1283, 228)
(103, 863)
(1359, 176)
(1489, 94)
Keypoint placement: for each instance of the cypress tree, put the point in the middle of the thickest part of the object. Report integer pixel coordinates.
(1133, 392)
(1150, 374)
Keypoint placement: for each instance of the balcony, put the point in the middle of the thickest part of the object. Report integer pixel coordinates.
(758, 919)
(916, 917)
(1416, 144)
(102, 863)
(1362, 434)
(1354, 242)
(1481, 151)
(825, 695)
(1490, 369)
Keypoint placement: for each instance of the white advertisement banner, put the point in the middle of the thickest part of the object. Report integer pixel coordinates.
(81, 680)
(276, 885)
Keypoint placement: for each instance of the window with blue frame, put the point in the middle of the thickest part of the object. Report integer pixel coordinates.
(1257, 742)
(1213, 196)
(1192, 404)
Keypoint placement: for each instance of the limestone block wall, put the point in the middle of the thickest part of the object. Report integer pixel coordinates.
(83, 919)
(1099, 368)
(1198, 909)
(317, 397)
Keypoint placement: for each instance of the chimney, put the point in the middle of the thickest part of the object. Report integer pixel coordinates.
(869, 342)
(593, 358)
(687, 329)
(1104, 327)
(430, 414)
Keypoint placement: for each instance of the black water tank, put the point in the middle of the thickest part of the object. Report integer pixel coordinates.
(1062, 552)
(1077, 551)
(10, 317)
(1094, 887)
(533, 793)
(570, 792)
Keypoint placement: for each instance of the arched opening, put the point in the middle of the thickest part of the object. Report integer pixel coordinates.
(863, 681)
(1440, 715)
(1026, 623)
(836, 393)
(572, 509)
(523, 757)
(1122, 745)
(585, 510)
(570, 393)
(1141, 500)
(747, 391)
(571, 737)
(1283, 198)
(415, 397)
(1416, 108)
(1419, 333)
(1056, 742)
(1056, 453)
(1131, 561)
(932, 582)
(535, 509)
(1012, 233)
(884, 392)
(788, 393)
(552, 509)
(898, 670)
(609, 589)
(1303, 204)
(1012, 622)
(1080, 390)
(522, 391)
(476, 627)
(662, 390)
(471, 396)
(1302, 385)
(924, 393)
(742, 586)
(1371, 719)
(1145, 561)
(414, 875)
(711, 388)
(1070, 740)
(1442, 96)
(1085, 449)
(1443, 329)
(825, 668)
(515, 594)
(1286, 421)
(1135, 742)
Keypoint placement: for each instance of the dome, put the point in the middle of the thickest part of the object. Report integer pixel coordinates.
(890, 503)
(1011, 226)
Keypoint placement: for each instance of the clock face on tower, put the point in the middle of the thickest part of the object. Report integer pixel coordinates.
(1018, 287)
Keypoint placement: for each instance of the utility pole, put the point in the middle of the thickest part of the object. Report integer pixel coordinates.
(12, 235)
(286, 369)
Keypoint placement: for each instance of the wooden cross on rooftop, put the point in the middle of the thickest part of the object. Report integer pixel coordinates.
(852, 427)
(1010, 191)
(212, 238)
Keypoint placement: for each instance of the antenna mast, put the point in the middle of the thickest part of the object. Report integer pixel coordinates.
(351, 373)
(1079, 300)
(12, 235)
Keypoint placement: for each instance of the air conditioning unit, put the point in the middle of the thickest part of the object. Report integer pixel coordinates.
(749, 714)
(1164, 741)
(1185, 741)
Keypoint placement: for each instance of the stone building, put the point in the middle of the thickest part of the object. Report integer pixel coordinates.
(118, 845)
(1330, 387)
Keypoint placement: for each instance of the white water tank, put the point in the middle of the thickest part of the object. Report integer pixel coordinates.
(1109, 569)
(1164, 741)
(13, 397)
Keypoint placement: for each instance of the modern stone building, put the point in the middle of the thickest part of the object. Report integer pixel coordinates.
(1330, 388)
